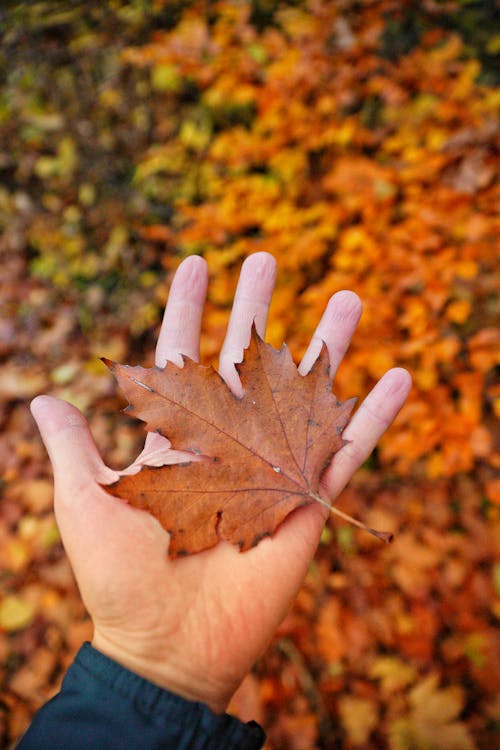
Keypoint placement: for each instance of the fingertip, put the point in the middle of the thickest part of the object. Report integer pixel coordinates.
(191, 278)
(335, 329)
(262, 258)
(69, 443)
(39, 404)
(401, 372)
(345, 304)
(53, 414)
(397, 379)
(43, 406)
(258, 277)
(193, 261)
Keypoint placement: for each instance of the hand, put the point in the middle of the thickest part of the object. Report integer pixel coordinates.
(195, 625)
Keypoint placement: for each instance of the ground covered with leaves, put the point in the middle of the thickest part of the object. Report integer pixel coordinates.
(356, 141)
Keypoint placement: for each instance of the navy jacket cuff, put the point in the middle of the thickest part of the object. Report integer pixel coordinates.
(105, 706)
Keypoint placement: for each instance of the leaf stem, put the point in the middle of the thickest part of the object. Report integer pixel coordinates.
(385, 536)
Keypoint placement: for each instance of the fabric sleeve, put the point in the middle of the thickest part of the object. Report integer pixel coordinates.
(105, 706)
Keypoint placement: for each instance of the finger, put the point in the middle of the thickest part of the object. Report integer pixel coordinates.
(251, 304)
(335, 329)
(90, 520)
(75, 459)
(180, 328)
(368, 424)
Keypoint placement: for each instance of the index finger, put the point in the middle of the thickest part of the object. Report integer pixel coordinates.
(180, 328)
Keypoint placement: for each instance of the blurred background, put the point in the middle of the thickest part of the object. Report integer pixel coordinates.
(356, 140)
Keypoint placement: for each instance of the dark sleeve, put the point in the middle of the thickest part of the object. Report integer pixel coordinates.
(104, 706)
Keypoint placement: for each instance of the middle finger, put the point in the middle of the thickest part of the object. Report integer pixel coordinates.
(251, 304)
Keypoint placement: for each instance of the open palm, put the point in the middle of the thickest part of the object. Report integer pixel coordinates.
(195, 625)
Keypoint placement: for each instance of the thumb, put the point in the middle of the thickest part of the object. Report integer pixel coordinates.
(71, 448)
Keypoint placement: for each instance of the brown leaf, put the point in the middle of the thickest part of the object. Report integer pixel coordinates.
(263, 454)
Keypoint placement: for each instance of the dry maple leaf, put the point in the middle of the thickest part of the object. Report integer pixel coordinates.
(262, 454)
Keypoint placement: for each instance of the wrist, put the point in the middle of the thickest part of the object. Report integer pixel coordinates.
(170, 674)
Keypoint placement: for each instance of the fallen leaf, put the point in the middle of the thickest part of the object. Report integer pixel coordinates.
(15, 613)
(358, 717)
(392, 672)
(433, 720)
(263, 453)
(21, 383)
(34, 495)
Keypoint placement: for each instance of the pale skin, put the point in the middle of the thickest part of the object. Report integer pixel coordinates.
(196, 625)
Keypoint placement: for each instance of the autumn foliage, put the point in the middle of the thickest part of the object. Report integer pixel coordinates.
(356, 141)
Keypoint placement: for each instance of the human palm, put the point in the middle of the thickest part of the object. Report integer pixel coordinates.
(196, 624)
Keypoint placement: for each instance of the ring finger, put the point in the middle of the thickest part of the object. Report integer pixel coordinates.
(335, 329)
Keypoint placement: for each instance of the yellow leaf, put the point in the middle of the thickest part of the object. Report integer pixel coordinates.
(392, 672)
(15, 555)
(426, 380)
(458, 311)
(466, 269)
(46, 166)
(493, 45)
(86, 194)
(165, 77)
(15, 613)
(359, 718)
(64, 373)
(195, 135)
(67, 156)
(110, 98)
(117, 241)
